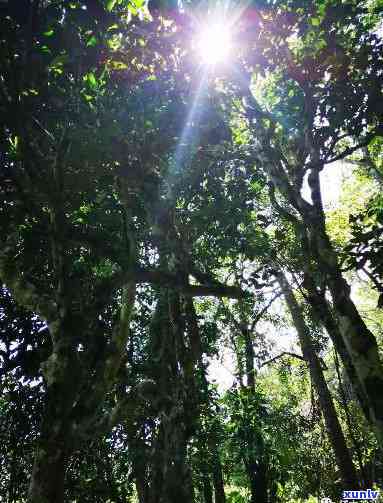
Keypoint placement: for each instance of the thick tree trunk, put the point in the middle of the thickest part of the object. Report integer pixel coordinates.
(359, 341)
(257, 474)
(140, 475)
(362, 347)
(174, 374)
(322, 310)
(52, 452)
(62, 374)
(334, 430)
(177, 484)
(251, 469)
(48, 475)
(261, 483)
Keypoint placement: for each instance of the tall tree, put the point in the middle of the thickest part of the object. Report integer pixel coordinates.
(334, 429)
(309, 83)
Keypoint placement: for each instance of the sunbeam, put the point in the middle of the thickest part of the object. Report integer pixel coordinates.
(214, 43)
(190, 123)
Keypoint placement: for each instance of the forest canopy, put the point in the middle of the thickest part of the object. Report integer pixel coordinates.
(190, 190)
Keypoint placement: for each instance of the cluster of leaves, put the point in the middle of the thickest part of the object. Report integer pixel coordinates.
(364, 251)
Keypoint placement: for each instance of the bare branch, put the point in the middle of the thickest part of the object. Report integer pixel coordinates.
(264, 310)
(285, 353)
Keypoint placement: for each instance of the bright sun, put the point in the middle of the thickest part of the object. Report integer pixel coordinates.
(214, 43)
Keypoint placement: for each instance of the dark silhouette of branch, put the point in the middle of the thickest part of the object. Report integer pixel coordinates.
(264, 310)
(166, 279)
(285, 353)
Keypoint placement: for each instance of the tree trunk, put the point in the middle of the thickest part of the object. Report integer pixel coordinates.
(174, 375)
(256, 469)
(176, 475)
(140, 476)
(361, 346)
(62, 374)
(261, 483)
(249, 352)
(51, 457)
(219, 487)
(322, 310)
(251, 469)
(334, 430)
(48, 475)
(311, 228)
(207, 490)
(360, 342)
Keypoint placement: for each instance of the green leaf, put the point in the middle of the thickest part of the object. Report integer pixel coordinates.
(48, 33)
(118, 65)
(45, 49)
(110, 4)
(59, 61)
(92, 41)
(91, 80)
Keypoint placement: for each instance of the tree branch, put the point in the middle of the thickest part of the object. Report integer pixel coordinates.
(259, 315)
(165, 279)
(351, 150)
(285, 353)
(24, 292)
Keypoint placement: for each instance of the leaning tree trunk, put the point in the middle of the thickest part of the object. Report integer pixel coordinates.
(322, 310)
(360, 343)
(334, 430)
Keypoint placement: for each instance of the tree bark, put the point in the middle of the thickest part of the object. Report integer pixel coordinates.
(323, 311)
(219, 487)
(140, 476)
(334, 430)
(207, 490)
(53, 450)
(359, 341)
(48, 475)
(173, 373)
(256, 468)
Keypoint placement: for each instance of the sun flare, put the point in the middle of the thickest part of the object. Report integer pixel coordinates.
(214, 43)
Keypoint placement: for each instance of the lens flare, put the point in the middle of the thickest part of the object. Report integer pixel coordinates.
(214, 43)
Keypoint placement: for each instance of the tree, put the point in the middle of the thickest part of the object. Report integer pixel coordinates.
(337, 439)
(309, 84)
